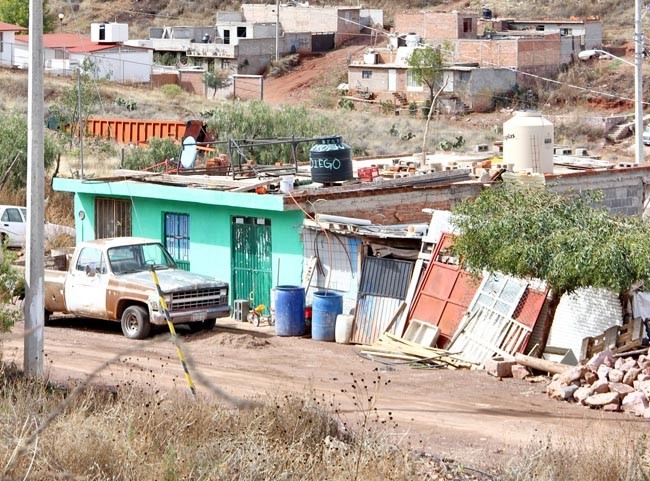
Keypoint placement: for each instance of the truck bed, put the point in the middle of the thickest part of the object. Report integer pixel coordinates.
(54, 297)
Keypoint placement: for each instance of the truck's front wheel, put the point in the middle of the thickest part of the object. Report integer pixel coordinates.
(135, 322)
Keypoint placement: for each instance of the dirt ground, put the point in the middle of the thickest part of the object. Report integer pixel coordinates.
(465, 415)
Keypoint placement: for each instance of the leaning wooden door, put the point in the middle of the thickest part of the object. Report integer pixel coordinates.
(251, 259)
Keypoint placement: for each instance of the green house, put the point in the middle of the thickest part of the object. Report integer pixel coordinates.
(252, 241)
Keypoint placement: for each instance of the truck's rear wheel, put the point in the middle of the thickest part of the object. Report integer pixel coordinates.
(135, 322)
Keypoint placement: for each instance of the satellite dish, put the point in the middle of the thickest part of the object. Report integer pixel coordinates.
(188, 153)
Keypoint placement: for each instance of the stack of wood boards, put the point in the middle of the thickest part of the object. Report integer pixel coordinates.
(393, 348)
(618, 339)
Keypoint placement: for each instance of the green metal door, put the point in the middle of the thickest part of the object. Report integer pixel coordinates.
(251, 259)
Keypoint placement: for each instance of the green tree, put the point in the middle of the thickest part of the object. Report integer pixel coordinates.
(425, 65)
(10, 286)
(567, 241)
(258, 120)
(13, 151)
(215, 81)
(16, 12)
(158, 150)
(67, 107)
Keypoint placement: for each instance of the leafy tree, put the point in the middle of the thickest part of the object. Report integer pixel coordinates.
(215, 81)
(16, 12)
(67, 108)
(258, 120)
(158, 150)
(425, 64)
(567, 241)
(10, 286)
(13, 151)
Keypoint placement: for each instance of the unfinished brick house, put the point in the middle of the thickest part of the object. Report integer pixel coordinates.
(538, 47)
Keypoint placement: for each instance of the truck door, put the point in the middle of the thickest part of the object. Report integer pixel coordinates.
(86, 283)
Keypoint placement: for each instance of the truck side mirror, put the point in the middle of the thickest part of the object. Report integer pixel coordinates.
(90, 270)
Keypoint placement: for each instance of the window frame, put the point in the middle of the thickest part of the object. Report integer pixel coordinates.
(366, 74)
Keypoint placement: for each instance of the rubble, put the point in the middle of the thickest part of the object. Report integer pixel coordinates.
(606, 382)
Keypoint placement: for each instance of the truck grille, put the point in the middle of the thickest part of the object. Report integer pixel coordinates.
(198, 298)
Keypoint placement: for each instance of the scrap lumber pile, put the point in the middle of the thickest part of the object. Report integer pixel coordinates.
(393, 349)
(608, 382)
(618, 339)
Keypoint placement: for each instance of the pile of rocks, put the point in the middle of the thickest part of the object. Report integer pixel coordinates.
(607, 383)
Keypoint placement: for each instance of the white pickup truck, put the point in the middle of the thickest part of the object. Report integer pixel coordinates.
(111, 279)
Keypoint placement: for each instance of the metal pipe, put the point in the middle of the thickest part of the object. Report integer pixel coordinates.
(638, 84)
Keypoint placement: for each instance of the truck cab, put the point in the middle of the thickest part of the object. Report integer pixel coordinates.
(111, 279)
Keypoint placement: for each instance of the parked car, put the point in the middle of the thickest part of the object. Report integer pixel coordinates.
(646, 136)
(111, 279)
(13, 226)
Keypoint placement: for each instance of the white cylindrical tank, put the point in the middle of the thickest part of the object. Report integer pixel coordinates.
(528, 143)
(412, 40)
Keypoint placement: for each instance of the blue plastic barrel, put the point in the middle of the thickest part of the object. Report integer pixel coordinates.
(289, 310)
(326, 305)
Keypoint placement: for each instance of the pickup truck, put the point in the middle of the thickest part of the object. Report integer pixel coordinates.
(111, 279)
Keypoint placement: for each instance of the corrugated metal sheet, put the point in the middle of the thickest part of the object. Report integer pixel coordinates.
(340, 272)
(383, 287)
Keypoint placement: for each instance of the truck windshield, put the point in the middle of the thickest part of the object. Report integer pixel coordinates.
(139, 257)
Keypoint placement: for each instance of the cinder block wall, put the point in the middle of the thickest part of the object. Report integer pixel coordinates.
(624, 190)
(435, 26)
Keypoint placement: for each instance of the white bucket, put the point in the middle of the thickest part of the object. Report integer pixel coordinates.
(343, 329)
(286, 184)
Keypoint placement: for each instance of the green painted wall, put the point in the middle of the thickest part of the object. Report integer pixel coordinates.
(210, 240)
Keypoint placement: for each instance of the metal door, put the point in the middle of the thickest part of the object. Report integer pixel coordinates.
(322, 42)
(392, 80)
(251, 259)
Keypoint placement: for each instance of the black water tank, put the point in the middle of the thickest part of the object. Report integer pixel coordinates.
(487, 13)
(331, 161)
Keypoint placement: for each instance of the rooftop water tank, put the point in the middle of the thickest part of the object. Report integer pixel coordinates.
(412, 40)
(528, 143)
(331, 161)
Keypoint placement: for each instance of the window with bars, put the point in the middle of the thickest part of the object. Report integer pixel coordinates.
(177, 238)
(112, 218)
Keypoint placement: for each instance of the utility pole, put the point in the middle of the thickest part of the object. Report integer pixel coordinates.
(81, 123)
(639, 153)
(277, 29)
(34, 263)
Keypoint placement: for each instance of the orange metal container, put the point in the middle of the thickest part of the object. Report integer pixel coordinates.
(133, 130)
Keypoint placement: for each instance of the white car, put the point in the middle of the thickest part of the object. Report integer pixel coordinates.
(646, 136)
(13, 226)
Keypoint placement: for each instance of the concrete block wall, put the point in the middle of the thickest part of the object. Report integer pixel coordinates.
(624, 190)
(586, 312)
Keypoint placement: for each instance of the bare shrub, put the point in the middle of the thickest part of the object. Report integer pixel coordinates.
(594, 459)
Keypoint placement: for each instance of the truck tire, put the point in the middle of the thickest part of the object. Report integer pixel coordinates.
(46, 317)
(209, 324)
(135, 322)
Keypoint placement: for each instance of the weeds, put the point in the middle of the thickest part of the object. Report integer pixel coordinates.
(619, 459)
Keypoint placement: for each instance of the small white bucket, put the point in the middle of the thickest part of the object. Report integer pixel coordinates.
(286, 184)
(343, 329)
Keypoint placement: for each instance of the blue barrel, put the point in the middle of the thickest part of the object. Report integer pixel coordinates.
(326, 305)
(289, 310)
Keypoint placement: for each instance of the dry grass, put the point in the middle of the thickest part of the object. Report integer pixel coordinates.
(133, 434)
(596, 459)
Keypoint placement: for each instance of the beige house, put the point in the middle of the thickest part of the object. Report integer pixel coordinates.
(384, 73)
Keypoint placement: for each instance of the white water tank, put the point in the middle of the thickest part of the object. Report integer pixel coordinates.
(528, 143)
(412, 40)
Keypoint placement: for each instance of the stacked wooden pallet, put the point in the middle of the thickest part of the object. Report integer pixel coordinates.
(618, 339)
(394, 349)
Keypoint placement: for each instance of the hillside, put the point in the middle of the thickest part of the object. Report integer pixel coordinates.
(142, 14)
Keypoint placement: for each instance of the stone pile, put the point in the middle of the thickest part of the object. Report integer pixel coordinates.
(608, 383)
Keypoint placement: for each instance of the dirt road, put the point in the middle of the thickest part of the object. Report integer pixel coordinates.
(465, 415)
